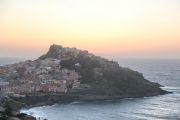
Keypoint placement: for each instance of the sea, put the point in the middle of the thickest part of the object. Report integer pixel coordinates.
(162, 107)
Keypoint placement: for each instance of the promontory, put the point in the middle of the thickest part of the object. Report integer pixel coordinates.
(71, 72)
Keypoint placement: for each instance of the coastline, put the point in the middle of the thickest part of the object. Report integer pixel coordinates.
(85, 98)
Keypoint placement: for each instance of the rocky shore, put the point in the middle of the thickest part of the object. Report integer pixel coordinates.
(50, 99)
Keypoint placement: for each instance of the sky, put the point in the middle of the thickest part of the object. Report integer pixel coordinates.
(124, 28)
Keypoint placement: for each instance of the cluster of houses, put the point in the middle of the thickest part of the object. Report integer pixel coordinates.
(37, 76)
(46, 73)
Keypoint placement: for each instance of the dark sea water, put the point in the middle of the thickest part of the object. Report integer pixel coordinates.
(162, 107)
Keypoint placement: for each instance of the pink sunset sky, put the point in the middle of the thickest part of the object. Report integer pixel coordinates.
(125, 28)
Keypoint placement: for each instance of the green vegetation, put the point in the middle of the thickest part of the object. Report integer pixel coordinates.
(9, 106)
(115, 80)
(12, 105)
(86, 68)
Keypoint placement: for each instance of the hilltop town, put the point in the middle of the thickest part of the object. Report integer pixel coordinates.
(37, 76)
(69, 70)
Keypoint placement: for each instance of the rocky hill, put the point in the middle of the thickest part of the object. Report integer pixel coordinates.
(71, 71)
(99, 76)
